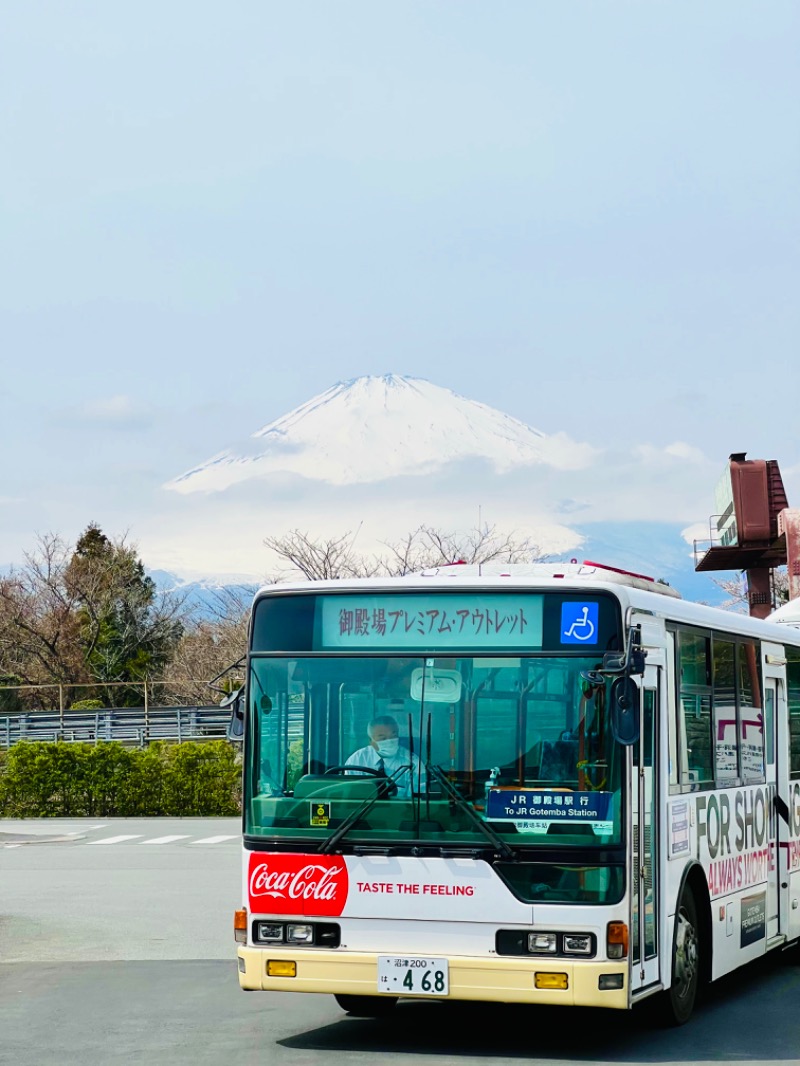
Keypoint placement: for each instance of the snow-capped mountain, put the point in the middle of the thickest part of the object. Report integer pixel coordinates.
(204, 598)
(377, 457)
(372, 429)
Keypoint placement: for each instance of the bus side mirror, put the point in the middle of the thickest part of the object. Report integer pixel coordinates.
(235, 704)
(625, 710)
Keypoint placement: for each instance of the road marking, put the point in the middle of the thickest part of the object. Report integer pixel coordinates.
(215, 840)
(166, 840)
(116, 840)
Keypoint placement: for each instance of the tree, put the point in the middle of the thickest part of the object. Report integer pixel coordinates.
(424, 548)
(90, 614)
(736, 590)
(127, 632)
(39, 622)
(207, 647)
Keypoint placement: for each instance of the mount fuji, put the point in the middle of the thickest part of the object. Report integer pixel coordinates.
(381, 456)
(372, 429)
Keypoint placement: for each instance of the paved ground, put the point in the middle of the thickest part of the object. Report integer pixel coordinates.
(124, 953)
(123, 889)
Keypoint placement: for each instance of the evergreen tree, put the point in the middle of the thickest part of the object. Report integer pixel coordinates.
(126, 635)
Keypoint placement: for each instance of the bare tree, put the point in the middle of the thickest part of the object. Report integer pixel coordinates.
(322, 558)
(425, 547)
(208, 646)
(736, 590)
(428, 547)
(39, 619)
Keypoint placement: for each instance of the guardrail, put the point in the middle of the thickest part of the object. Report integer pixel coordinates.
(130, 725)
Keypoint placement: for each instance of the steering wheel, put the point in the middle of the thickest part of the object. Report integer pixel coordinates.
(354, 770)
(390, 787)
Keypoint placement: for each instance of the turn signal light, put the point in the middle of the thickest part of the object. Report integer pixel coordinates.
(617, 940)
(550, 980)
(240, 926)
(279, 968)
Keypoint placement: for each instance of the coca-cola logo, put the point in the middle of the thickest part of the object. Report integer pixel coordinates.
(297, 884)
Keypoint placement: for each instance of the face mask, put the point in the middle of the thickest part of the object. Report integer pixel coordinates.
(387, 748)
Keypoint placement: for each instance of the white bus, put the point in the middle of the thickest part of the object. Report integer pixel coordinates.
(555, 784)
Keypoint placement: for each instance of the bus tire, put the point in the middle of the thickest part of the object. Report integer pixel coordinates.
(367, 1006)
(677, 1003)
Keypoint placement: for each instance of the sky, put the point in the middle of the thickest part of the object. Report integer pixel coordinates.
(585, 215)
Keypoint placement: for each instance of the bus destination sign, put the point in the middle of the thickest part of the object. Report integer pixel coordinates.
(417, 622)
(534, 810)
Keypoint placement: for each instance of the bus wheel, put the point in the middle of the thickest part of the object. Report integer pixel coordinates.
(678, 1002)
(367, 1006)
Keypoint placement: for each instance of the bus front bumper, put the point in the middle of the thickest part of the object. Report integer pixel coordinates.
(496, 979)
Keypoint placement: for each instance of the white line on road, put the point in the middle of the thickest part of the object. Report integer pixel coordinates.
(115, 840)
(215, 840)
(166, 840)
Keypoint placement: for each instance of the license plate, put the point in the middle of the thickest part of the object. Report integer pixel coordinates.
(407, 976)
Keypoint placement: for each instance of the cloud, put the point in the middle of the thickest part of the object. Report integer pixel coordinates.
(699, 531)
(113, 412)
(681, 450)
(550, 504)
(668, 456)
(563, 453)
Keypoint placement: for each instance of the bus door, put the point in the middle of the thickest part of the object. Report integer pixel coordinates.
(644, 866)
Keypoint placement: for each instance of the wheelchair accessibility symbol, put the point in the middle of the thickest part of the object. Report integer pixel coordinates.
(579, 623)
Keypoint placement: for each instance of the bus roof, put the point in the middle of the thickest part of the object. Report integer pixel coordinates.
(635, 591)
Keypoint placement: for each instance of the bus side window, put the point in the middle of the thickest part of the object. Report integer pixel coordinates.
(769, 721)
(751, 714)
(793, 697)
(695, 705)
(726, 737)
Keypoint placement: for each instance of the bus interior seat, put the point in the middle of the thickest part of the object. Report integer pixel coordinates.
(559, 761)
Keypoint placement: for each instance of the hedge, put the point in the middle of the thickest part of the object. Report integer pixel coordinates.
(40, 779)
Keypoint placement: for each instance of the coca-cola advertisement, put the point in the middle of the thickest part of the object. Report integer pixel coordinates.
(297, 884)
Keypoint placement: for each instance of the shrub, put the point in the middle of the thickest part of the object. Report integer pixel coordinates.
(59, 779)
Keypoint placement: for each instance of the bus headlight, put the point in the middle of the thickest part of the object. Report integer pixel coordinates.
(299, 934)
(269, 931)
(577, 944)
(542, 943)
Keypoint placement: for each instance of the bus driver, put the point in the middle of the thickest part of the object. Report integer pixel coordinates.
(385, 754)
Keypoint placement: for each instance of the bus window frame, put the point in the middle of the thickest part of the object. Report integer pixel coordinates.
(678, 723)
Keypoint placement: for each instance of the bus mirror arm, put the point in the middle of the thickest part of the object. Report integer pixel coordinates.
(631, 662)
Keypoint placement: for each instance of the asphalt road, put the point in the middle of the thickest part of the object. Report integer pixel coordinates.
(121, 951)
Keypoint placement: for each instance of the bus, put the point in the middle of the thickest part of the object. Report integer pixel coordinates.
(547, 784)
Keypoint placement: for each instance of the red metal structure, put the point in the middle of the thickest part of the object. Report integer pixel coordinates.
(756, 530)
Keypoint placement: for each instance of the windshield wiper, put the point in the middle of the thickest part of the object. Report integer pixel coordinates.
(331, 841)
(463, 804)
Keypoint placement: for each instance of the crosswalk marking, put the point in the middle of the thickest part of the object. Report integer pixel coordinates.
(166, 840)
(116, 840)
(79, 839)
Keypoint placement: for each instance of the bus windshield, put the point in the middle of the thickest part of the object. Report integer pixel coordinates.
(447, 750)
